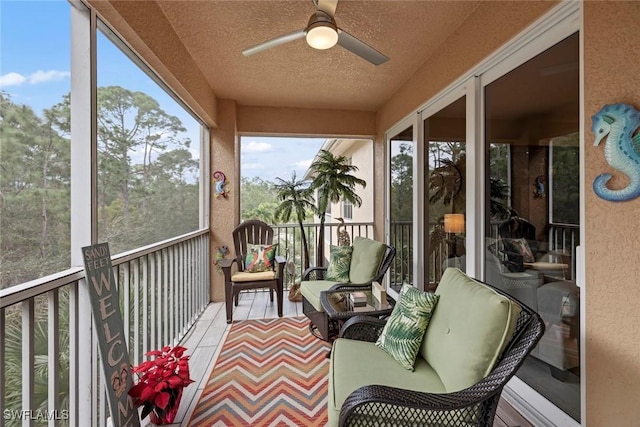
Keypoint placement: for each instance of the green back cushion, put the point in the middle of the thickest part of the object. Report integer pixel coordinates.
(339, 263)
(365, 259)
(469, 328)
(403, 332)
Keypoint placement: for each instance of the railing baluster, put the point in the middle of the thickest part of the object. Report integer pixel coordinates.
(136, 312)
(165, 286)
(125, 292)
(172, 294)
(2, 363)
(152, 300)
(145, 306)
(28, 359)
(53, 350)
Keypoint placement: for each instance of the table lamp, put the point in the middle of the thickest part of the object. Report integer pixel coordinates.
(453, 224)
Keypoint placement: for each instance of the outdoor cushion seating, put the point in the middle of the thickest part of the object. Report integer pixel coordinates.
(556, 300)
(370, 260)
(263, 269)
(476, 340)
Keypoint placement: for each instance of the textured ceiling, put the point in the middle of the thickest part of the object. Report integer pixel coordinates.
(295, 75)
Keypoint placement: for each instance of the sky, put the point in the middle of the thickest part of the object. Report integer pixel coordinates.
(35, 70)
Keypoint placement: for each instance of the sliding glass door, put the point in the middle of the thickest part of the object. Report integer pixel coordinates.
(532, 203)
(401, 147)
(445, 191)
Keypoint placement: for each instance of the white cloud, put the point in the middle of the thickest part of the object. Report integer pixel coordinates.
(45, 76)
(303, 164)
(16, 79)
(12, 79)
(256, 147)
(253, 166)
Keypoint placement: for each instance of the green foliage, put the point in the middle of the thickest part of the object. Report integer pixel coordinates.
(333, 181)
(565, 190)
(296, 198)
(34, 192)
(257, 199)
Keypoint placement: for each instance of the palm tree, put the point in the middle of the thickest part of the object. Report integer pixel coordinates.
(333, 180)
(295, 196)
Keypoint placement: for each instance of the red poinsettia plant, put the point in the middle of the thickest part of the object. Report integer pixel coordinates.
(160, 384)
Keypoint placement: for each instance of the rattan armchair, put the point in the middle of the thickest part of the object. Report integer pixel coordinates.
(327, 329)
(474, 406)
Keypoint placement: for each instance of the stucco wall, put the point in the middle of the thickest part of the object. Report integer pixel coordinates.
(225, 212)
(611, 75)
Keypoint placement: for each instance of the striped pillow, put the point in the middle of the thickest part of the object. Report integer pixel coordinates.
(403, 332)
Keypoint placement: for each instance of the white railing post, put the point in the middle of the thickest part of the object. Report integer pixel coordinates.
(53, 356)
(83, 208)
(28, 361)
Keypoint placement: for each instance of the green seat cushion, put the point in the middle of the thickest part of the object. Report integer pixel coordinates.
(365, 259)
(339, 263)
(348, 372)
(469, 329)
(402, 334)
(310, 290)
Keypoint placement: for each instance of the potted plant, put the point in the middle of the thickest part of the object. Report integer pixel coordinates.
(161, 381)
(333, 180)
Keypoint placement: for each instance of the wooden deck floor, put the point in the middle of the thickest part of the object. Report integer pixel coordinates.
(204, 339)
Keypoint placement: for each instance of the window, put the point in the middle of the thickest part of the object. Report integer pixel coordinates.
(347, 208)
(148, 153)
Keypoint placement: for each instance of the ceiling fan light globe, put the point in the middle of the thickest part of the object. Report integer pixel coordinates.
(322, 36)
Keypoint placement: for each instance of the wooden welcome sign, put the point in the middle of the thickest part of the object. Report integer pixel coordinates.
(110, 332)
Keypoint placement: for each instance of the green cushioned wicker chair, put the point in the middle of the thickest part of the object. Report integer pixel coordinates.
(475, 342)
(370, 260)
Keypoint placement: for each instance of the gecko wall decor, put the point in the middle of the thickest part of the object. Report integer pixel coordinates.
(620, 124)
(220, 185)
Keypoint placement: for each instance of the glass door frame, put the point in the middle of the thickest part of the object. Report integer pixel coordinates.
(560, 22)
(468, 90)
(409, 122)
(548, 32)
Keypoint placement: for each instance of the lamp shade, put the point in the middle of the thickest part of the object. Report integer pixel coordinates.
(454, 223)
(322, 36)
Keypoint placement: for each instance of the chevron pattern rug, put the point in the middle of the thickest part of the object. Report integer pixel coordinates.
(270, 372)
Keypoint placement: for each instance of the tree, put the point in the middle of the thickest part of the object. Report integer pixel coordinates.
(295, 196)
(256, 198)
(34, 192)
(333, 181)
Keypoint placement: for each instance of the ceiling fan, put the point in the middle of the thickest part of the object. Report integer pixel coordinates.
(322, 32)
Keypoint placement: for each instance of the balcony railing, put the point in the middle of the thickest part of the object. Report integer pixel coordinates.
(563, 239)
(163, 289)
(289, 241)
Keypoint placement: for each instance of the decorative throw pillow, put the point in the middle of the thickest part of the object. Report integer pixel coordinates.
(260, 258)
(339, 263)
(403, 332)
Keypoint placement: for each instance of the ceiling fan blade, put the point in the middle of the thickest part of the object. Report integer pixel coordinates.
(360, 48)
(328, 6)
(285, 38)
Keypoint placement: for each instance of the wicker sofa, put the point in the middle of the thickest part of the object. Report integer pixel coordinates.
(476, 340)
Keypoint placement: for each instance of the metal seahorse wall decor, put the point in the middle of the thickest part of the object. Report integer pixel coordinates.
(220, 185)
(620, 124)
